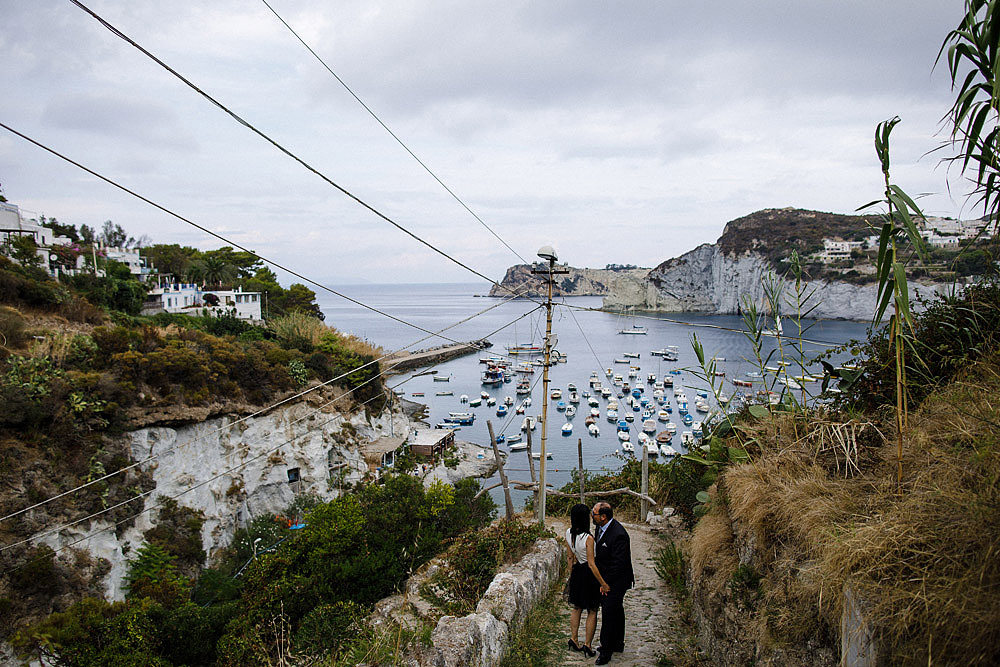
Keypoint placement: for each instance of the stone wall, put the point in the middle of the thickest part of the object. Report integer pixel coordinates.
(480, 639)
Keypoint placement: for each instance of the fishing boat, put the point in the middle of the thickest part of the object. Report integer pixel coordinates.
(631, 355)
(442, 378)
(561, 406)
(444, 393)
(664, 436)
(475, 402)
(594, 430)
(612, 416)
(556, 394)
(626, 445)
(417, 393)
(502, 411)
(523, 388)
(649, 426)
(667, 450)
(491, 401)
(570, 410)
(492, 376)
(525, 349)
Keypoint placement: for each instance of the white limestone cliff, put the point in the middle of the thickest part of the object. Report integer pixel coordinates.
(705, 280)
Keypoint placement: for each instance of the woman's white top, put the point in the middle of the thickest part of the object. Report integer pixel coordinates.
(579, 548)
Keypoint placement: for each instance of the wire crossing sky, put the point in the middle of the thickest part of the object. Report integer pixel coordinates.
(620, 133)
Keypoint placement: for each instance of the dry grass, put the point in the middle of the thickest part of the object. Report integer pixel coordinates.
(925, 558)
(296, 327)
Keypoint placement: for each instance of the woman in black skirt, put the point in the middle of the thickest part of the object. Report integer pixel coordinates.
(584, 580)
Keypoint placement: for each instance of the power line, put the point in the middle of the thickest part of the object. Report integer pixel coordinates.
(228, 471)
(251, 416)
(391, 133)
(293, 156)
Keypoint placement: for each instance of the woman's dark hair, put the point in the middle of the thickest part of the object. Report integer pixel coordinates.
(579, 518)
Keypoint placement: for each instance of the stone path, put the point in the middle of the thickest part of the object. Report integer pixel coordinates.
(654, 624)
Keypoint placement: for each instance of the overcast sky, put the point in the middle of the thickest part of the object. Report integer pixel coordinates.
(626, 132)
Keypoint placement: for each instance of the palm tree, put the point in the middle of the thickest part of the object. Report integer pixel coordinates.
(212, 270)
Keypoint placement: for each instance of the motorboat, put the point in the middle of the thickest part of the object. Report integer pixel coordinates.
(444, 393)
(520, 409)
(670, 428)
(417, 393)
(663, 415)
(594, 430)
(491, 401)
(475, 402)
(442, 378)
(623, 436)
(687, 419)
(514, 438)
(629, 417)
(651, 378)
(594, 412)
(508, 401)
(516, 446)
(538, 456)
(561, 406)
(570, 410)
(649, 426)
(574, 397)
(593, 402)
(605, 392)
(567, 428)
(612, 416)
(523, 387)
(571, 387)
(556, 394)
(484, 395)
(528, 424)
(502, 411)
(668, 450)
(464, 398)
(631, 355)
(687, 439)
(664, 436)
(591, 419)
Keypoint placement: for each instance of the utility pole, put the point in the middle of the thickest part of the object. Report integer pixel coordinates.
(546, 253)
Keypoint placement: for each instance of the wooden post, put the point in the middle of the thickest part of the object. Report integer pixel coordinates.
(508, 503)
(644, 504)
(579, 455)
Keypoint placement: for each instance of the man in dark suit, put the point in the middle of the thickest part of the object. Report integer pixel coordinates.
(613, 557)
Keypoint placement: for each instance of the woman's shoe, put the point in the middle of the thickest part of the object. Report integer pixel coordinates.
(587, 651)
(573, 646)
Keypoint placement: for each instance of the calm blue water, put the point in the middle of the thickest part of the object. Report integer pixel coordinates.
(589, 339)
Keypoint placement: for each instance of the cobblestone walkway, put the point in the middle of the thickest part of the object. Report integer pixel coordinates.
(653, 624)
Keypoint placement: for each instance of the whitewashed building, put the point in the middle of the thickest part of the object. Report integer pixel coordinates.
(192, 299)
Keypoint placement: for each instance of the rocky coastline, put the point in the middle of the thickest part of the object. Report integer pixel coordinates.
(577, 282)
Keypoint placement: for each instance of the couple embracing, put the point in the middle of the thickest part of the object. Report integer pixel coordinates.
(601, 574)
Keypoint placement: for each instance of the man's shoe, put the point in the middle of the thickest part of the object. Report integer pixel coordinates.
(603, 659)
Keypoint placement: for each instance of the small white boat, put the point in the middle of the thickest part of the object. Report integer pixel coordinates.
(556, 394)
(511, 439)
(595, 412)
(464, 398)
(517, 446)
(663, 415)
(442, 378)
(631, 355)
(668, 450)
(538, 455)
(687, 439)
(574, 397)
(508, 401)
(476, 402)
(593, 402)
(623, 436)
(649, 426)
(594, 431)
(567, 428)
(570, 410)
(491, 401)
(626, 445)
(444, 393)
(528, 423)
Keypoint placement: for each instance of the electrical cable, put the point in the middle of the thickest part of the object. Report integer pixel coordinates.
(228, 471)
(169, 212)
(391, 133)
(118, 33)
(255, 414)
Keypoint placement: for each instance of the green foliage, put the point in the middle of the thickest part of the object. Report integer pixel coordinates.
(12, 328)
(178, 533)
(972, 56)
(24, 250)
(116, 291)
(298, 372)
(474, 558)
(326, 627)
(952, 331)
(153, 574)
(745, 586)
(668, 563)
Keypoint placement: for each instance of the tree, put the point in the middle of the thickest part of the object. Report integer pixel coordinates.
(59, 228)
(300, 299)
(113, 235)
(213, 270)
(87, 234)
(25, 251)
(172, 258)
(244, 263)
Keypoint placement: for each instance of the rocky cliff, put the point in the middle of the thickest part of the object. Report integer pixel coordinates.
(578, 282)
(251, 459)
(716, 278)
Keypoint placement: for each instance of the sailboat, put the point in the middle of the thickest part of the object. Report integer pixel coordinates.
(634, 329)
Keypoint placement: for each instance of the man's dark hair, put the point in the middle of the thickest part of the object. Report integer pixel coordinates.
(606, 512)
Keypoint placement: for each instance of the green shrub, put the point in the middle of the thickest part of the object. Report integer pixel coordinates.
(326, 627)
(12, 328)
(668, 562)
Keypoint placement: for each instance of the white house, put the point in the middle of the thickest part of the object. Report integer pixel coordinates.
(191, 299)
(835, 249)
(130, 257)
(12, 225)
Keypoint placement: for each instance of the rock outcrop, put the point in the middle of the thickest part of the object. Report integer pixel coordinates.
(259, 464)
(707, 280)
(578, 282)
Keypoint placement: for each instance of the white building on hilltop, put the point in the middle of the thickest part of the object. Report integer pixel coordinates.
(13, 225)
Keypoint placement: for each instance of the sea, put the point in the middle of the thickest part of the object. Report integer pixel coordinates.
(589, 340)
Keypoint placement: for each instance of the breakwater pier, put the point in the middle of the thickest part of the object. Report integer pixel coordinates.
(401, 362)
